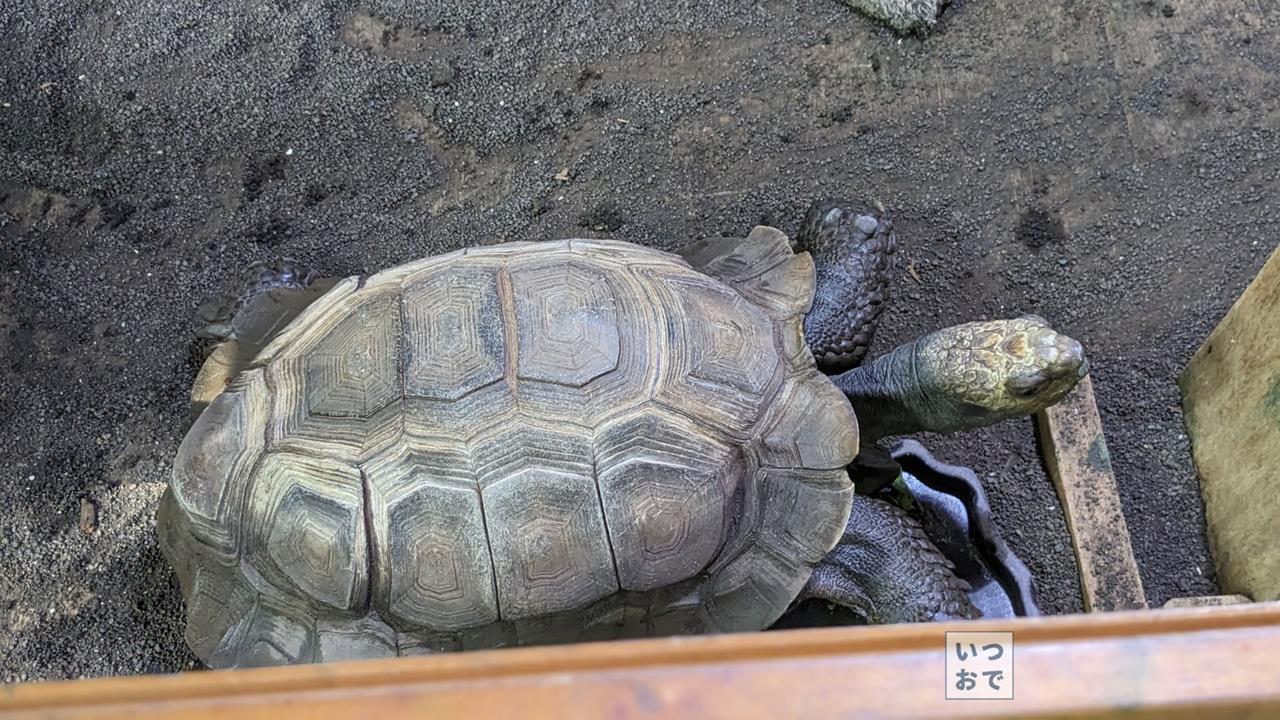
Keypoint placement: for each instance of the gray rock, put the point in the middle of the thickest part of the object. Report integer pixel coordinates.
(903, 16)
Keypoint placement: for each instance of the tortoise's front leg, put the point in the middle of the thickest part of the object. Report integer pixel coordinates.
(886, 570)
(852, 251)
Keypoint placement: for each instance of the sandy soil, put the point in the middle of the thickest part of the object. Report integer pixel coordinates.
(1110, 165)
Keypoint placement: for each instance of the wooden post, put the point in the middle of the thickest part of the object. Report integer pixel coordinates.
(1076, 454)
(1231, 402)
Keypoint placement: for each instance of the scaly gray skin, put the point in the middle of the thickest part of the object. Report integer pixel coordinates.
(852, 253)
(963, 377)
(886, 570)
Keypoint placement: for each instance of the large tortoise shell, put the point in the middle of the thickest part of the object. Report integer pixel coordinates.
(524, 443)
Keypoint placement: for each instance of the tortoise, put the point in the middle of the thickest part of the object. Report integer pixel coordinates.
(542, 442)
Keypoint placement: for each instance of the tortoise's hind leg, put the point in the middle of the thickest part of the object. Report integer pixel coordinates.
(271, 297)
(886, 570)
(852, 251)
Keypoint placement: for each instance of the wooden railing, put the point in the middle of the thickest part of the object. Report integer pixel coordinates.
(1193, 663)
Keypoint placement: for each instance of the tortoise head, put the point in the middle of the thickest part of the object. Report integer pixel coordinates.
(997, 369)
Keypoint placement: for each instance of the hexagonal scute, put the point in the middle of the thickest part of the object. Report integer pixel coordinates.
(805, 512)
(736, 260)
(214, 463)
(754, 590)
(549, 542)
(732, 340)
(488, 406)
(431, 550)
(218, 599)
(812, 425)
(618, 253)
(306, 528)
(275, 633)
(726, 362)
(453, 332)
(530, 442)
(324, 402)
(568, 327)
(352, 370)
(359, 639)
(785, 291)
(641, 345)
(664, 483)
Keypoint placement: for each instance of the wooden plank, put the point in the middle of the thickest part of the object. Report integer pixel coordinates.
(1206, 601)
(1159, 664)
(1076, 454)
(1231, 402)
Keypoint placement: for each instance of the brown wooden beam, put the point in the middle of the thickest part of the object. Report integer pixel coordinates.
(1075, 452)
(1191, 663)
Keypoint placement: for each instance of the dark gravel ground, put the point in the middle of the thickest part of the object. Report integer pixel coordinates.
(1110, 165)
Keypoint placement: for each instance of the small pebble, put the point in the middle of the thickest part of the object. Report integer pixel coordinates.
(88, 516)
(441, 73)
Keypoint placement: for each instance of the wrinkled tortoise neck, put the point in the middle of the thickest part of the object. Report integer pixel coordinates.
(889, 396)
(909, 391)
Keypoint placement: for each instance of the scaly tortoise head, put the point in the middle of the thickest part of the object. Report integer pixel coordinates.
(1001, 368)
